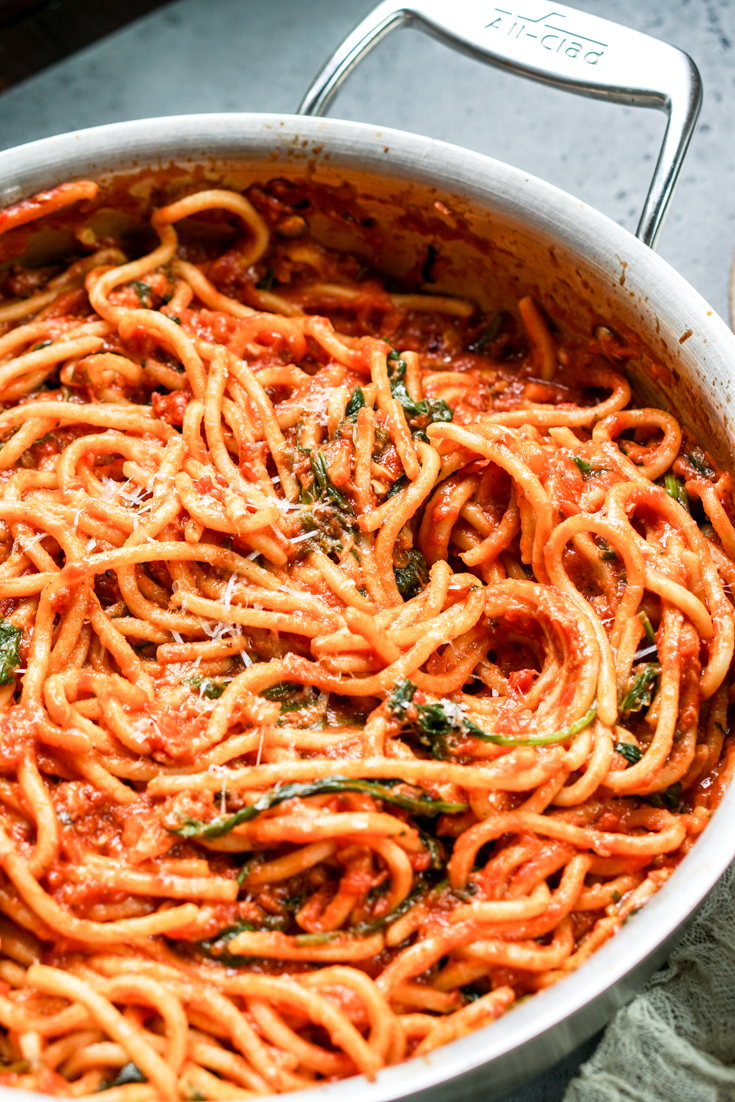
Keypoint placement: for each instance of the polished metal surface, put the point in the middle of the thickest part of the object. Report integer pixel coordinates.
(561, 46)
(590, 266)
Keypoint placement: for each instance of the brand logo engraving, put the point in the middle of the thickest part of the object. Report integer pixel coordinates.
(550, 33)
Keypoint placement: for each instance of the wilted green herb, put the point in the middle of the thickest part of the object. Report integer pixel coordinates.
(216, 947)
(329, 526)
(145, 297)
(671, 486)
(489, 335)
(355, 404)
(425, 411)
(208, 687)
(607, 551)
(640, 693)
(175, 318)
(585, 469)
(561, 735)
(282, 691)
(297, 705)
(360, 929)
(400, 697)
(629, 751)
(675, 488)
(379, 790)
(292, 698)
(413, 576)
(40, 345)
(700, 466)
(265, 283)
(670, 799)
(438, 719)
(10, 637)
(400, 484)
(436, 849)
(647, 626)
(324, 483)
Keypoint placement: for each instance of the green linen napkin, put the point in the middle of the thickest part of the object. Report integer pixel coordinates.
(675, 1042)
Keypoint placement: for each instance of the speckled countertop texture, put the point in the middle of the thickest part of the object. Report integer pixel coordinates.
(260, 55)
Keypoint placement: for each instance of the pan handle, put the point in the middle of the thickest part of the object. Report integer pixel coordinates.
(556, 45)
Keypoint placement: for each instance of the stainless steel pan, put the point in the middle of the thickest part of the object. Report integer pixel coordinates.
(502, 232)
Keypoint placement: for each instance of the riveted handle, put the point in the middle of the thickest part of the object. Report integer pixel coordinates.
(557, 45)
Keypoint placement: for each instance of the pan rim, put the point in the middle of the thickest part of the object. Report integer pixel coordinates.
(542, 208)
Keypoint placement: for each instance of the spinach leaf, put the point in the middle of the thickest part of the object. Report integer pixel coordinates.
(324, 483)
(629, 751)
(355, 404)
(425, 411)
(433, 722)
(280, 691)
(360, 929)
(670, 799)
(400, 484)
(400, 697)
(438, 719)
(561, 735)
(586, 470)
(701, 466)
(10, 638)
(216, 947)
(675, 488)
(489, 335)
(640, 693)
(144, 292)
(436, 849)
(292, 698)
(607, 551)
(379, 790)
(647, 627)
(208, 687)
(265, 283)
(326, 524)
(413, 576)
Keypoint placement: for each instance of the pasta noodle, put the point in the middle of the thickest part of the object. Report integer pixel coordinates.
(365, 658)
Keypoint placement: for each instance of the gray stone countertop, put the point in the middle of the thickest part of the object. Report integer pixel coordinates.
(261, 55)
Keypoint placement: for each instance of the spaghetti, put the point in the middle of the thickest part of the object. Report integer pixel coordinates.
(365, 659)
